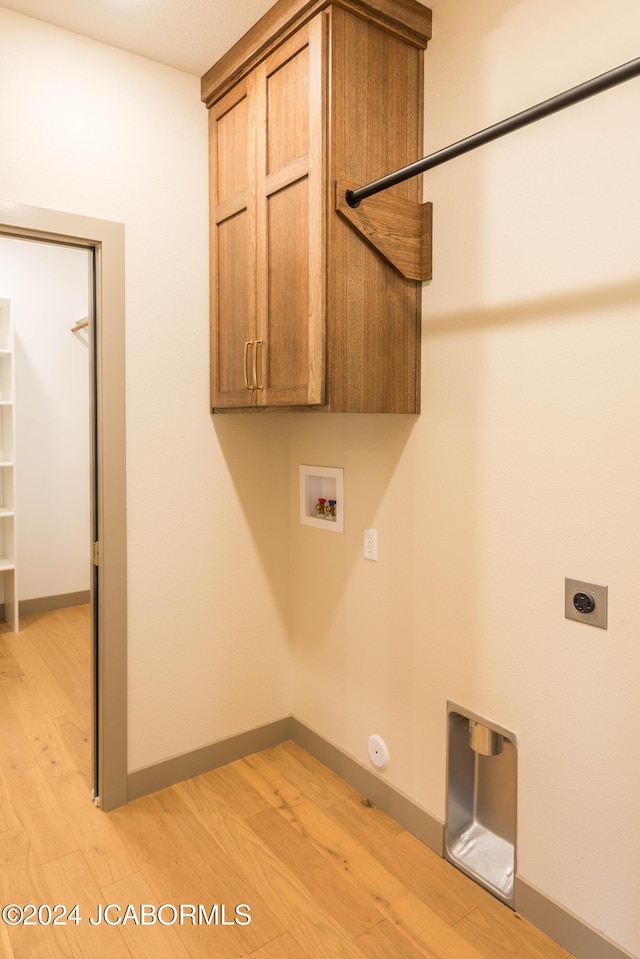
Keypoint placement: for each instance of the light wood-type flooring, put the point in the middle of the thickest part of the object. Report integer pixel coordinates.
(323, 872)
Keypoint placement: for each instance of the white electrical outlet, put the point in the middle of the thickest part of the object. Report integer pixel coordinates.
(371, 544)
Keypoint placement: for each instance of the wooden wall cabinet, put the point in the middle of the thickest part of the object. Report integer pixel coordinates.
(304, 312)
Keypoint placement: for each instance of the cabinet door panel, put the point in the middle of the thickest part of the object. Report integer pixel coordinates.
(232, 136)
(235, 309)
(233, 247)
(288, 292)
(288, 115)
(291, 220)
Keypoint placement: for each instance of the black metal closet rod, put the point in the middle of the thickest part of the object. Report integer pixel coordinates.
(584, 90)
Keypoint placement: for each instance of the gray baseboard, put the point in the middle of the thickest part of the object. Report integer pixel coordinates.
(44, 603)
(582, 941)
(151, 778)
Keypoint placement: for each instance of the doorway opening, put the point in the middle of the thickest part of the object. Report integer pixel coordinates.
(103, 242)
(48, 513)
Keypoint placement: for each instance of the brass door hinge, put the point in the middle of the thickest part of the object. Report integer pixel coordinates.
(96, 554)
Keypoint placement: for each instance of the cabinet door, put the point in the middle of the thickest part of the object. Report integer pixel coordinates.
(232, 140)
(290, 186)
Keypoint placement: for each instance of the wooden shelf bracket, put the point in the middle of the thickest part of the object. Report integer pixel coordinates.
(398, 229)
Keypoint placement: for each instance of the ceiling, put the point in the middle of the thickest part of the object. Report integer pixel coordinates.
(190, 35)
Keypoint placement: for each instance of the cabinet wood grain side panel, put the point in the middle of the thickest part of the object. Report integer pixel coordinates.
(373, 313)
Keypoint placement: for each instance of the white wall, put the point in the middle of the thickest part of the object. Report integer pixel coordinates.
(522, 468)
(49, 287)
(91, 130)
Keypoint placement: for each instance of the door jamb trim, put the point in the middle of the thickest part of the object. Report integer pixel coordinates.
(107, 239)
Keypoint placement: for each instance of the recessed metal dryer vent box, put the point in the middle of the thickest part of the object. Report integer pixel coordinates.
(480, 827)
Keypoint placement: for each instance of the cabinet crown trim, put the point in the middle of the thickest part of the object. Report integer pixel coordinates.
(409, 19)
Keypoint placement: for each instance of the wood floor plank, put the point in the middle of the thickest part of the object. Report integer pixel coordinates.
(22, 882)
(40, 814)
(77, 738)
(368, 824)
(235, 790)
(104, 850)
(180, 872)
(9, 818)
(428, 931)
(66, 652)
(149, 940)
(284, 947)
(312, 780)
(28, 647)
(9, 666)
(16, 754)
(40, 727)
(499, 933)
(265, 779)
(385, 940)
(316, 781)
(70, 629)
(418, 924)
(6, 949)
(21, 878)
(293, 906)
(336, 895)
(344, 852)
(102, 847)
(215, 867)
(441, 887)
(71, 883)
(434, 880)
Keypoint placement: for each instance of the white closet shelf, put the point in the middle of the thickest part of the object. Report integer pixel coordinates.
(7, 454)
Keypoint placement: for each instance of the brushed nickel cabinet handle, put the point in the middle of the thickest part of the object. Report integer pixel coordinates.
(246, 370)
(255, 365)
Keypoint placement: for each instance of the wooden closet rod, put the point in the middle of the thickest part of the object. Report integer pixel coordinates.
(584, 90)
